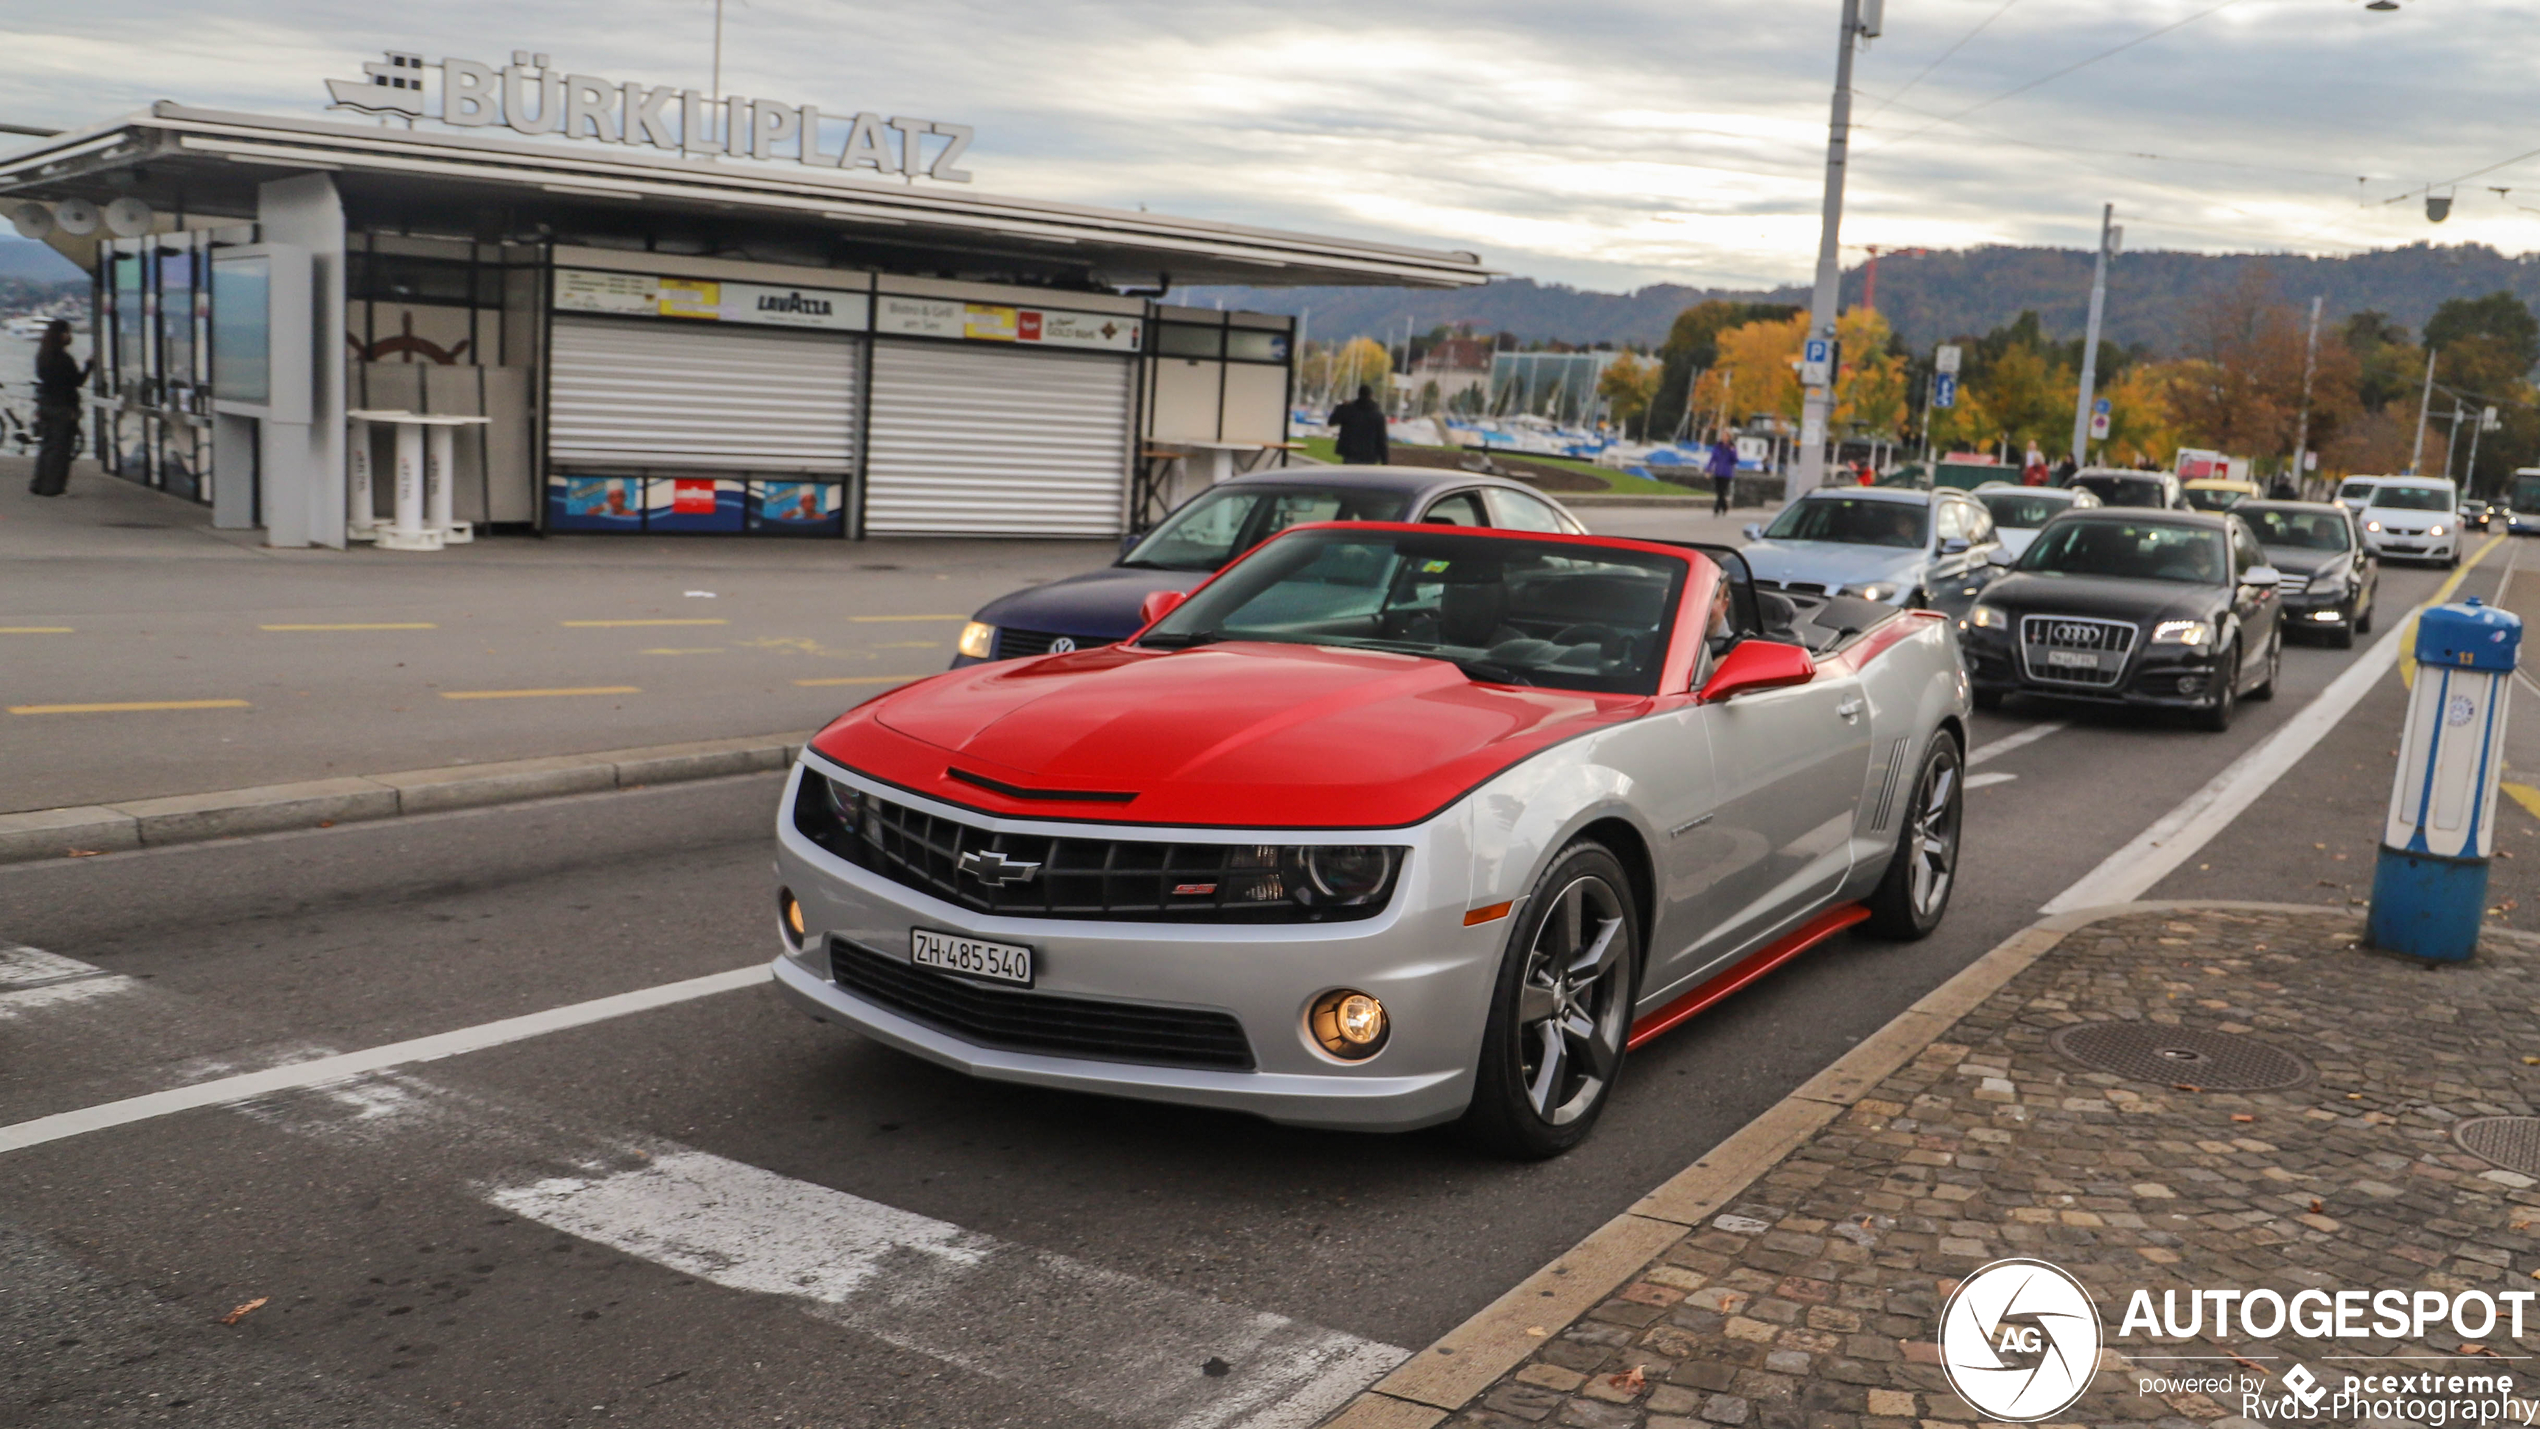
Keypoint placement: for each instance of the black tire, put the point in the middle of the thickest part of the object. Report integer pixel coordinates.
(2275, 665)
(2343, 637)
(2217, 719)
(1914, 893)
(1989, 700)
(2363, 617)
(1521, 1107)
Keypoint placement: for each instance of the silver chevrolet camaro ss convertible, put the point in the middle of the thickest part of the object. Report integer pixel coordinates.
(1384, 826)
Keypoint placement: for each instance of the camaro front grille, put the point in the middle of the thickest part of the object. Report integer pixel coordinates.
(1018, 1021)
(2108, 640)
(1131, 880)
(1015, 644)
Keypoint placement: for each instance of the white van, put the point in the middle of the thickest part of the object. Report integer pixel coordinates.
(2355, 493)
(2414, 517)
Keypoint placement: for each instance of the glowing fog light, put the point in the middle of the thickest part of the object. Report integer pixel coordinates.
(1348, 1024)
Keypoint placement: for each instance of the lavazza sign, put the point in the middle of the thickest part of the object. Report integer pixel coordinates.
(529, 97)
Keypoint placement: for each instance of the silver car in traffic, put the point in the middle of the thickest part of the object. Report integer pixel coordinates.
(1917, 550)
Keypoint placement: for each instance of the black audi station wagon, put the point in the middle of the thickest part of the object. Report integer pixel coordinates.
(2164, 609)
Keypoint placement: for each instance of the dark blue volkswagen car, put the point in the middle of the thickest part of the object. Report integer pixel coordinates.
(1229, 519)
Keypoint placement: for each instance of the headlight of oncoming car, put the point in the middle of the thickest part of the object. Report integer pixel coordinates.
(1988, 617)
(2372, 525)
(2434, 530)
(2182, 632)
(1872, 590)
(978, 639)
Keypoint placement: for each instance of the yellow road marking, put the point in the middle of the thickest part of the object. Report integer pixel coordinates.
(875, 619)
(34, 630)
(2526, 796)
(861, 680)
(626, 624)
(698, 650)
(912, 645)
(384, 625)
(131, 705)
(534, 694)
(2442, 593)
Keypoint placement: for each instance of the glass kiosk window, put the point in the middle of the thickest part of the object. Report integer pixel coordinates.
(242, 337)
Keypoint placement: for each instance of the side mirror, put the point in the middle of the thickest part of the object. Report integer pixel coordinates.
(1758, 665)
(1955, 545)
(2264, 577)
(1751, 531)
(1157, 605)
(2000, 557)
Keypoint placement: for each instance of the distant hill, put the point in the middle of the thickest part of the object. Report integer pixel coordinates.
(2152, 296)
(26, 258)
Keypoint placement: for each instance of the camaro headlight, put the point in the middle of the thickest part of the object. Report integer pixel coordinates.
(1316, 875)
(1872, 590)
(1987, 617)
(978, 639)
(2182, 632)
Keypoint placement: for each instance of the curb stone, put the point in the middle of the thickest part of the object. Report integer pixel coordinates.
(1466, 1361)
(273, 808)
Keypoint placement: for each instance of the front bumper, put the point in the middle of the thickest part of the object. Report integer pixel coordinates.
(1433, 974)
(2156, 677)
(2413, 548)
(2310, 612)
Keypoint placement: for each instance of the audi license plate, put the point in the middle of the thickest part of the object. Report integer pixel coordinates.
(1004, 962)
(2072, 659)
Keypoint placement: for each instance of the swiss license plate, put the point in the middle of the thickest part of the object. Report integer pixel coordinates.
(2072, 659)
(1003, 962)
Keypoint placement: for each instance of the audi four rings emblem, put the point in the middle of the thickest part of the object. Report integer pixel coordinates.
(995, 869)
(1062, 645)
(2020, 1340)
(2071, 634)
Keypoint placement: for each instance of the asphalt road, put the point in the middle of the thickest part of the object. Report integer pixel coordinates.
(782, 1224)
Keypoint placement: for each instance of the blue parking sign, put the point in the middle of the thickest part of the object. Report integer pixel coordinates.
(1944, 390)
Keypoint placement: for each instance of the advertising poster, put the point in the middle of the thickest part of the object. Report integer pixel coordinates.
(646, 295)
(595, 503)
(693, 503)
(691, 298)
(797, 508)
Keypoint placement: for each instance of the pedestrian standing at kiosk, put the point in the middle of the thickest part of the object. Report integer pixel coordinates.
(2429, 891)
(58, 378)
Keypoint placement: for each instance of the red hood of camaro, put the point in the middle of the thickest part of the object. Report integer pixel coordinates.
(1249, 735)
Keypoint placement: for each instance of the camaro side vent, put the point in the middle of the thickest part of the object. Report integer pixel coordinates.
(1018, 1021)
(1887, 786)
(1130, 880)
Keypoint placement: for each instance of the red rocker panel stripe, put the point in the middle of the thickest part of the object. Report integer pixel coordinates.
(1763, 960)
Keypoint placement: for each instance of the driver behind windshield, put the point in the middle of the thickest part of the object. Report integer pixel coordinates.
(1227, 522)
(1850, 522)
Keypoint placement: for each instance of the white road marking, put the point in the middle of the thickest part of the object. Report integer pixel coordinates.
(1129, 1348)
(2175, 837)
(2009, 742)
(226, 1090)
(1979, 781)
(32, 979)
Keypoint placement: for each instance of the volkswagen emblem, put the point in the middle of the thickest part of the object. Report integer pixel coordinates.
(995, 869)
(1062, 644)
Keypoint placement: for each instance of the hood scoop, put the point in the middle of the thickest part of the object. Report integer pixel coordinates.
(1018, 791)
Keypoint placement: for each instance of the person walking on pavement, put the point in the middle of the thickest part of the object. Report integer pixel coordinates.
(57, 382)
(2033, 471)
(1723, 473)
(1358, 429)
(2064, 471)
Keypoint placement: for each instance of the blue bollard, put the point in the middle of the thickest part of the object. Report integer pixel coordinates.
(2429, 888)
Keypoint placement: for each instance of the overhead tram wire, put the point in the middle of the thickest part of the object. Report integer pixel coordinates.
(1925, 72)
(2463, 178)
(2059, 74)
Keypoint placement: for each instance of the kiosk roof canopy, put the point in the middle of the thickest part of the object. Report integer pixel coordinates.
(208, 162)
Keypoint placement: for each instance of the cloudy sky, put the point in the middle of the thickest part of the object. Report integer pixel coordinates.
(1606, 145)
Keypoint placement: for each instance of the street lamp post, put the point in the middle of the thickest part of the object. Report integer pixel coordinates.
(2109, 234)
(1860, 22)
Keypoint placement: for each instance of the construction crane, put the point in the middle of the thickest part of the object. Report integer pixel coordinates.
(1870, 270)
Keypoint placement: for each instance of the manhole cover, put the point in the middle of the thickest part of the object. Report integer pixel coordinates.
(2151, 1052)
(2512, 1142)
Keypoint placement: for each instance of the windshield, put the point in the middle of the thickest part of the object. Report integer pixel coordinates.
(1505, 611)
(2356, 490)
(2212, 498)
(1851, 521)
(1229, 521)
(2301, 530)
(2413, 498)
(2023, 510)
(2123, 490)
(2139, 550)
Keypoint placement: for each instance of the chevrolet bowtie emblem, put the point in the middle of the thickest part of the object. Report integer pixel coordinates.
(995, 869)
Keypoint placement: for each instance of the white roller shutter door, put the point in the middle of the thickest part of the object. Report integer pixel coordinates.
(986, 440)
(668, 394)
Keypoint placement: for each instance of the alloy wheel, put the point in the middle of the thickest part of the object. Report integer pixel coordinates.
(1574, 1000)
(1933, 843)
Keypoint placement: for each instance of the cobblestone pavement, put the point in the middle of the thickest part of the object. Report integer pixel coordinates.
(1813, 1303)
